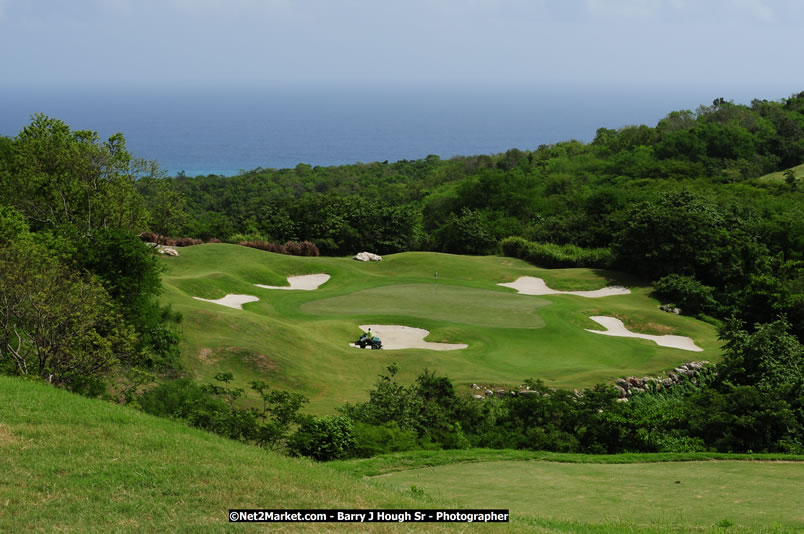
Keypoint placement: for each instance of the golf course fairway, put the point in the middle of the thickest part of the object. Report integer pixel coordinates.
(299, 340)
(682, 495)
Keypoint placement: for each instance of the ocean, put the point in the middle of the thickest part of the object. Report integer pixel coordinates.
(225, 130)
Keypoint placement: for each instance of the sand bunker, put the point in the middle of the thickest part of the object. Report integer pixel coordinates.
(406, 337)
(531, 285)
(232, 301)
(615, 327)
(307, 282)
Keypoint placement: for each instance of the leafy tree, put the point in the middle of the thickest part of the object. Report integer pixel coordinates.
(56, 324)
(679, 233)
(323, 438)
(61, 177)
(769, 358)
(685, 291)
(166, 207)
(468, 233)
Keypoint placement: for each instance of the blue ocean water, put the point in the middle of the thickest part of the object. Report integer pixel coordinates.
(226, 130)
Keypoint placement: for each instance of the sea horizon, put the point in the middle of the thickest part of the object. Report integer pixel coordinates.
(226, 130)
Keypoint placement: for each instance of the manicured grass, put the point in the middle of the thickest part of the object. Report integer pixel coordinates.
(77, 465)
(299, 340)
(752, 496)
(403, 461)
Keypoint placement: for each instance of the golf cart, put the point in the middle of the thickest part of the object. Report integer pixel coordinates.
(373, 342)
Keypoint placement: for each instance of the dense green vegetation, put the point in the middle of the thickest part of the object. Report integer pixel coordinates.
(79, 288)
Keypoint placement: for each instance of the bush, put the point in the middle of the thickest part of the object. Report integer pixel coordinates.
(552, 256)
(686, 292)
(186, 241)
(151, 237)
(371, 440)
(323, 438)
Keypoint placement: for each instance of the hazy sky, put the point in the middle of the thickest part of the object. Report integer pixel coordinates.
(186, 42)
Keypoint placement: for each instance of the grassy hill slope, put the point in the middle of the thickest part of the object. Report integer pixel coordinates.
(71, 464)
(298, 340)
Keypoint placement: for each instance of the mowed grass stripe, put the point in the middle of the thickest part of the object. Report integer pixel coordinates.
(686, 494)
(456, 304)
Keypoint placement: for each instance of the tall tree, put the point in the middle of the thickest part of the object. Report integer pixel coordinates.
(57, 177)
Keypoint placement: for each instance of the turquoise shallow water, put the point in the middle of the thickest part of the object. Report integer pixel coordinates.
(205, 130)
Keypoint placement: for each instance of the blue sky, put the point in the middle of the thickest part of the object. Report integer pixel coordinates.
(506, 42)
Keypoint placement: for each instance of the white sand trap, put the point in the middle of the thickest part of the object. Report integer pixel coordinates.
(615, 327)
(306, 282)
(406, 337)
(232, 301)
(531, 285)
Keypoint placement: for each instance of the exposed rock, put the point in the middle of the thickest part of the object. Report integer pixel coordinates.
(478, 397)
(475, 386)
(167, 251)
(620, 390)
(623, 383)
(367, 256)
(622, 399)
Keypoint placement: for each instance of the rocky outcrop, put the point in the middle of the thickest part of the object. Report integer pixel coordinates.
(626, 387)
(162, 249)
(367, 256)
(669, 308)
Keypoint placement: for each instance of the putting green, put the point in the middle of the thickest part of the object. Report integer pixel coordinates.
(298, 340)
(460, 305)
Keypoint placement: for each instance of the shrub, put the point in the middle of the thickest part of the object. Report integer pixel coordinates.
(323, 438)
(552, 255)
(371, 440)
(687, 293)
(186, 241)
(151, 237)
(213, 240)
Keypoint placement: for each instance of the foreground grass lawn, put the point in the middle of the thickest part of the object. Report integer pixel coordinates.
(298, 340)
(692, 494)
(71, 464)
